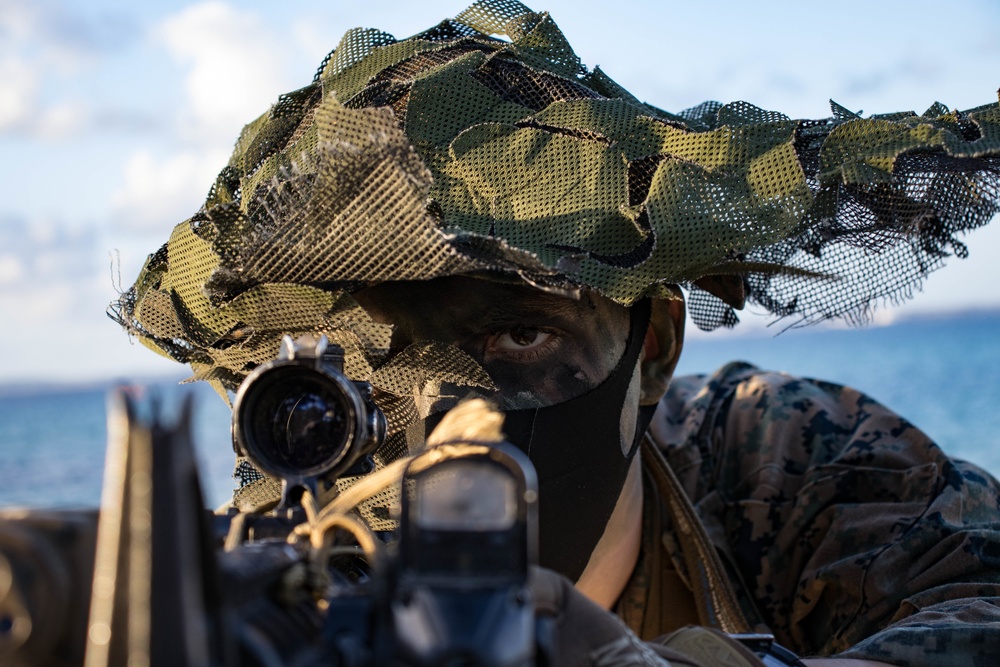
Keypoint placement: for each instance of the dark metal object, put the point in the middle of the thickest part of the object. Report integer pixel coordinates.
(154, 580)
(467, 539)
(771, 653)
(158, 580)
(155, 575)
(299, 417)
(46, 561)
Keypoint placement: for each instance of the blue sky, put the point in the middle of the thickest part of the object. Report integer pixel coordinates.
(115, 118)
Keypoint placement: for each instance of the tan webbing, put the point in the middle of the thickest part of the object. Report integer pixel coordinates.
(714, 597)
(657, 600)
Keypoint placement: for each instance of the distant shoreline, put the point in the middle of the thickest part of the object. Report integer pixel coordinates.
(27, 389)
(754, 326)
(39, 389)
(951, 315)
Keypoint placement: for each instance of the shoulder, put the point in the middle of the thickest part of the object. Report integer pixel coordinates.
(743, 426)
(838, 513)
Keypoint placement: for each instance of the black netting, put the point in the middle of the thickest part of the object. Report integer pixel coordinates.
(640, 175)
(708, 311)
(515, 82)
(878, 240)
(447, 31)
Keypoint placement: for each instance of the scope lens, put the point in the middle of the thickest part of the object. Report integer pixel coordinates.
(306, 427)
(299, 422)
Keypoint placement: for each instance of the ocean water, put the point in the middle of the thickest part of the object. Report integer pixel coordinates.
(943, 375)
(52, 443)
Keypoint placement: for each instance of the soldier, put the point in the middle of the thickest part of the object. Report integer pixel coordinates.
(468, 215)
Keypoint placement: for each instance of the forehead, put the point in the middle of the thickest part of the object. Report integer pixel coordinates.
(467, 305)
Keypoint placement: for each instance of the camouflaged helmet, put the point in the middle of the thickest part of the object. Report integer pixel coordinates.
(483, 145)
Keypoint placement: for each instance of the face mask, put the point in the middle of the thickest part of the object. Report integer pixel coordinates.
(577, 450)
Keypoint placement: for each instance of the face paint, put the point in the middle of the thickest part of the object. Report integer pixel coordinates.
(578, 451)
(561, 370)
(579, 455)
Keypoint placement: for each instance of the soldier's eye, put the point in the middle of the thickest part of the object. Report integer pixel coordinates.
(522, 338)
(520, 344)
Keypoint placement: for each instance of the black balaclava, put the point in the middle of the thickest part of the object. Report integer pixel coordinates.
(576, 448)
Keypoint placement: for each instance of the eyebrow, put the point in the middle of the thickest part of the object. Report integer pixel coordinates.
(531, 305)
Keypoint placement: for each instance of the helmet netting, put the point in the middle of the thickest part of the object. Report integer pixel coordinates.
(455, 152)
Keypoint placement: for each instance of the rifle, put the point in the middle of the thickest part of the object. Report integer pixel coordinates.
(153, 578)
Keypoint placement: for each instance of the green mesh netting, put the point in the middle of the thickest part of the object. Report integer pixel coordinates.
(484, 145)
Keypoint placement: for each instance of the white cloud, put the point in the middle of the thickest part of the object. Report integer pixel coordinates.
(157, 194)
(42, 274)
(41, 232)
(18, 92)
(19, 19)
(235, 67)
(61, 32)
(43, 45)
(62, 120)
(11, 270)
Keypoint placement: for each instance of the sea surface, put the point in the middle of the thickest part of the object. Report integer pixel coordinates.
(942, 374)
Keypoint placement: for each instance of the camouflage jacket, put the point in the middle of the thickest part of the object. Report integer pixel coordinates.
(846, 530)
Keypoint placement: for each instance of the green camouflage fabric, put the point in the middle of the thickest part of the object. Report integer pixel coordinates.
(483, 144)
(846, 528)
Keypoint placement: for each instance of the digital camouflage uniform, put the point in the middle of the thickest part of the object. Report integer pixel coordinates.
(848, 528)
